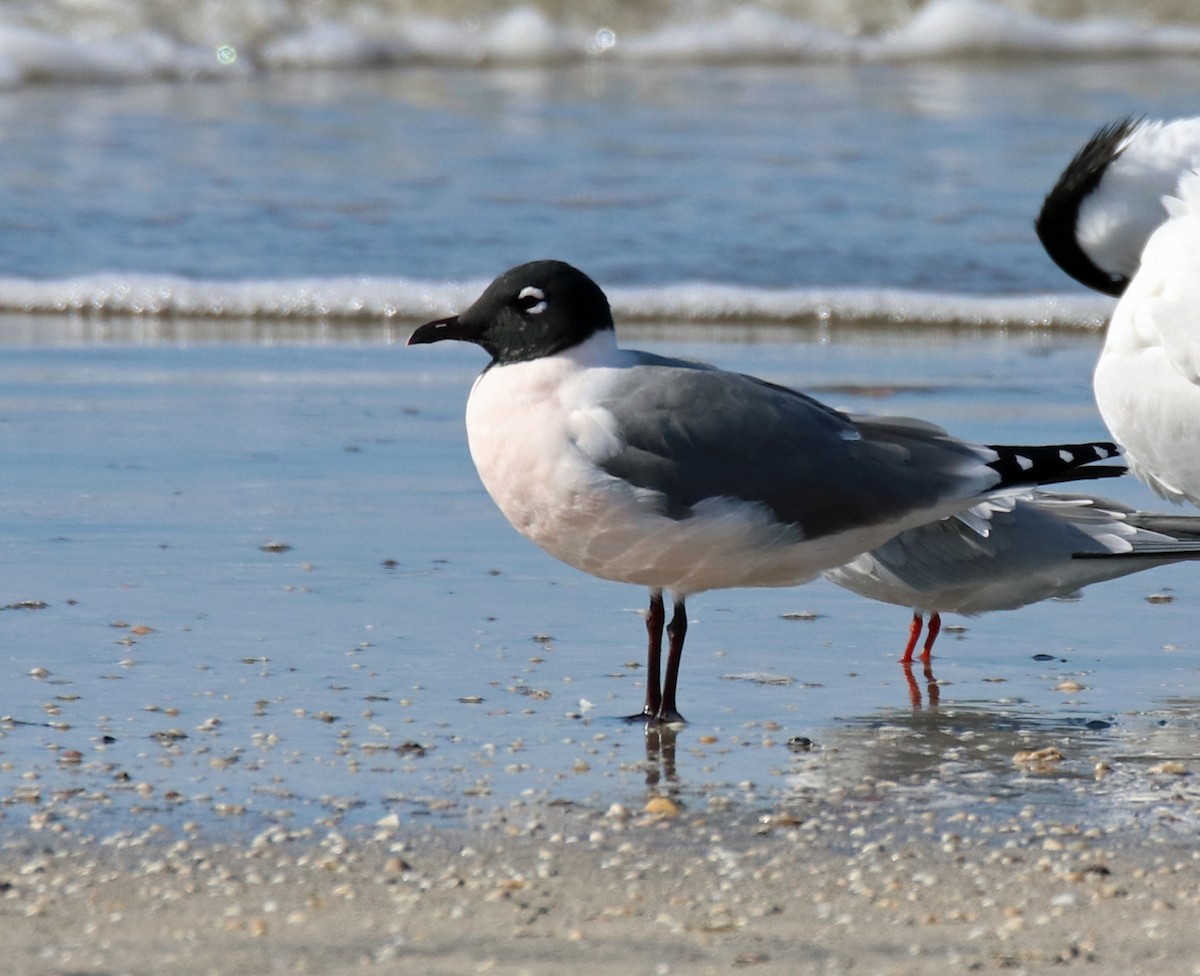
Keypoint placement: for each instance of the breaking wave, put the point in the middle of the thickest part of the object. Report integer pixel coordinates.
(363, 300)
(129, 41)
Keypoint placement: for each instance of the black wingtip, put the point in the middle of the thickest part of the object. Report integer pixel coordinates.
(1057, 223)
(1051, 464)
(1093, 472)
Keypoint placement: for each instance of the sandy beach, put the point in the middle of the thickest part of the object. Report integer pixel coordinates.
(852, 883)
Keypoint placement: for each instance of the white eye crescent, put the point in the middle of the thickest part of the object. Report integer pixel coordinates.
(532, 300)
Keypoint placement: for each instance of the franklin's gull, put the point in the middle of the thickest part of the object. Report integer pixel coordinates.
(1011, 550)
(1096, 220)
(682, 477)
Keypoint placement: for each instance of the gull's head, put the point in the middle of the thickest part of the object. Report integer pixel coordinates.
(533, 310)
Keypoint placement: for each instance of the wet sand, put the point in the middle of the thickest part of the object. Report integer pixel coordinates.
(853, 882)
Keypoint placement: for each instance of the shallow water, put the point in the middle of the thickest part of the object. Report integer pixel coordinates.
(274, 589)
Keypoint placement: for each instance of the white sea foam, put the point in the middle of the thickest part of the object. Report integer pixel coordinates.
(954, 28)
(136, 40)
(383, 299)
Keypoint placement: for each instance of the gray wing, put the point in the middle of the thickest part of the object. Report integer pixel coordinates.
(1009, 552)
(1185, 528)
(691, 432)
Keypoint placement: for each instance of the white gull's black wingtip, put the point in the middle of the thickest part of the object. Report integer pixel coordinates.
(1057, 223)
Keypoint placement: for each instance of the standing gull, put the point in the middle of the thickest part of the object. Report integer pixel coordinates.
(1012, 550)
(1147, 380)
(682, 477)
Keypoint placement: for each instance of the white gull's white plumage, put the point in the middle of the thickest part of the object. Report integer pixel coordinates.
(1095, 221)
(682, 477)
(1012, 550)
(1147, 379)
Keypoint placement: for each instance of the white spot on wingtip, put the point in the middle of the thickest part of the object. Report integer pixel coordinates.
(1023, 462)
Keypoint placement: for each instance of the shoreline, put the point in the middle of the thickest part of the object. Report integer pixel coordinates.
(854, 881)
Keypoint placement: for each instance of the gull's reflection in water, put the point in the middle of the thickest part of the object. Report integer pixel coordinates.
(662, 778)
(914, 690)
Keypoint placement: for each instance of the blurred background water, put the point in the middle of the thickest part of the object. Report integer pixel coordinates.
(161, 159)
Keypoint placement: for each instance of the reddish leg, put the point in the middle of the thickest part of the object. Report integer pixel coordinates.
(914, 632)
(935, 627)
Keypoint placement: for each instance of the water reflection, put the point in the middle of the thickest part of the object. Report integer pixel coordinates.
(931, 684)
(662, 777)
